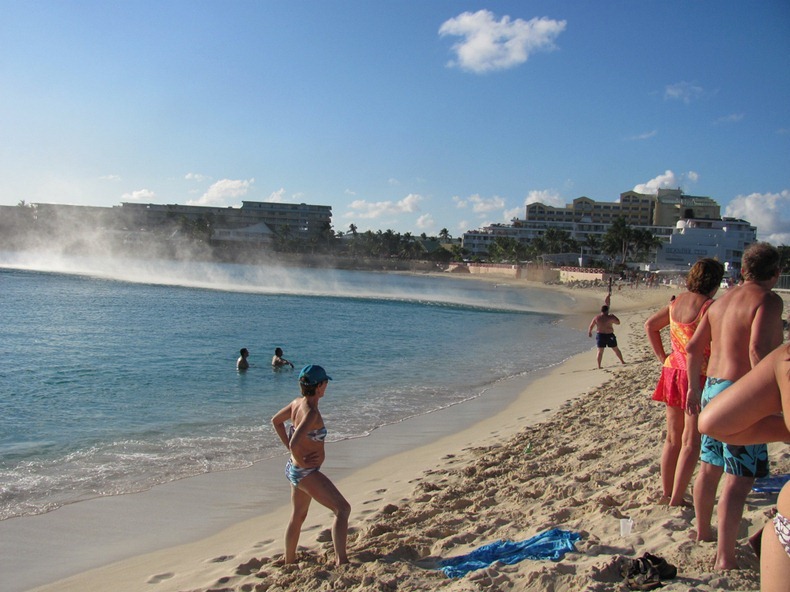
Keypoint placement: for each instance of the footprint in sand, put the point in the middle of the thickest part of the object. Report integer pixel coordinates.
(221, 559)
(160, 578)
(260, 544)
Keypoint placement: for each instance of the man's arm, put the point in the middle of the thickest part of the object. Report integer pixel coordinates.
(766, 330)
(592, 324)
(695, 353)
(747, 412)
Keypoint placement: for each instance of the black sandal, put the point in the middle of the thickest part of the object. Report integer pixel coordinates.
(666, 571)
(639, 574)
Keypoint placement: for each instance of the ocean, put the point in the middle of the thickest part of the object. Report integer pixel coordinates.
(118, 375)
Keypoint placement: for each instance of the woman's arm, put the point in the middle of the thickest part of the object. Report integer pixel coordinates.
(306, 424)
(747, 412)
(278, 422)
(653, 327)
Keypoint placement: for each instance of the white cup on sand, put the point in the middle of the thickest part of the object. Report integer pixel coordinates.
(626, 525)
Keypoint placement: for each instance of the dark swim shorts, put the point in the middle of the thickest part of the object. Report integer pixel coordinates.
(605, 340)
(741, 461)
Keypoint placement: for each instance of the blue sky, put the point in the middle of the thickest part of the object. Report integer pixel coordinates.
(412, 115)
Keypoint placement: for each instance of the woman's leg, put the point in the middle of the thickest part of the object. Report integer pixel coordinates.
(321, 489)
(300, 503)
(687, 460)
(774, 562)
(672, 445)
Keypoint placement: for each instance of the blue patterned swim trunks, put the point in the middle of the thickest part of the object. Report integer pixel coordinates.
(741, 461)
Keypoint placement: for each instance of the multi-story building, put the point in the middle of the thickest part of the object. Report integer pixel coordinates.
(638, 209)
(676, 219)
(724, 240)
(294, 220)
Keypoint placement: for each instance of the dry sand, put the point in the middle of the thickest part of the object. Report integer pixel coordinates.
(576, 448)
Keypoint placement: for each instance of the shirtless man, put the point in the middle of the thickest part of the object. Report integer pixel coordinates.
(604, 337)
(242, 363)
(741, 327)
(278, 361)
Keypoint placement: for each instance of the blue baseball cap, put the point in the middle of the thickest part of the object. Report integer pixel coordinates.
(312, 375)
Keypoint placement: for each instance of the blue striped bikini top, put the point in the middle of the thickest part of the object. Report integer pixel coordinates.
(318, 435)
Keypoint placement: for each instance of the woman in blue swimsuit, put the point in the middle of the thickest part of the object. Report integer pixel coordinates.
(304, 438)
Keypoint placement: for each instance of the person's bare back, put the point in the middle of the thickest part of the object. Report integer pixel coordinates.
(605, 322)
(740, 337)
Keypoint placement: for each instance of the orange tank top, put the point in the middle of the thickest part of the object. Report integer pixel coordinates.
(680, 334)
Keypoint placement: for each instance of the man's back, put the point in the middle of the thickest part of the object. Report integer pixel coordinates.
(604, 322)
(745, 325)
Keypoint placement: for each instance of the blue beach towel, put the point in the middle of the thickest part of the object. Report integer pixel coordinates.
(770, 484)
(551, 544)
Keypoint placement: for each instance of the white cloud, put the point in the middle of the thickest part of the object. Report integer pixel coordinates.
(668, 180)
(222, 192)
(462, 226)
(768, 212)
(644, 136)
(139, 195)
(488, 44)
(425, 222)
(277, 196)
(369, 210)
(481, 205)
(110, 177)
(731, 118)
(683, 91)
(350, 192)
(196, 177)
(547, 197)
(508, 215)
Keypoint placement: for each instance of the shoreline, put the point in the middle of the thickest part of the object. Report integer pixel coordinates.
(42, 550)
(369, 483)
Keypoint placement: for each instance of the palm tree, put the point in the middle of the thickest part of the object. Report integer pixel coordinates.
(619, 240)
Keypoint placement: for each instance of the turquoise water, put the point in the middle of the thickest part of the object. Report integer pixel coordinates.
(119, 375)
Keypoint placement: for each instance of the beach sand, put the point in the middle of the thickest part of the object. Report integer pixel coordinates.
(573, 447)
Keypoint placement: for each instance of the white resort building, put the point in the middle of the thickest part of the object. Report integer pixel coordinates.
(724, 240)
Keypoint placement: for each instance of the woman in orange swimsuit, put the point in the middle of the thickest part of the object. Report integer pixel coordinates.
(682, 315)
(754, 410)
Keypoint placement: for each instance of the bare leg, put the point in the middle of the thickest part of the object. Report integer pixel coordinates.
(600, 356)
(618, 354)
(705, 497)
(730, 512)
(687, 460)
(321, 489)
(300, 502)
(774, 562)
(671, 451)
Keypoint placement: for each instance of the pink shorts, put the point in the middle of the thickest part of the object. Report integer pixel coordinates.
(672, 387)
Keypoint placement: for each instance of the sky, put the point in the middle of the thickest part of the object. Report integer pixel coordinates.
(409, 115)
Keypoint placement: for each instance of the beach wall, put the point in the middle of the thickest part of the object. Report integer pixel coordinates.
(582, 274)
(533, 273)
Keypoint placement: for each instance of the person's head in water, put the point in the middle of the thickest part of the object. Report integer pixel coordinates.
(278, 351)
(310, 378)
(244, 352)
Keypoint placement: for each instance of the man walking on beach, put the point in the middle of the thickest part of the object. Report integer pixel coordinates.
(741, 328)
(604, 323)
